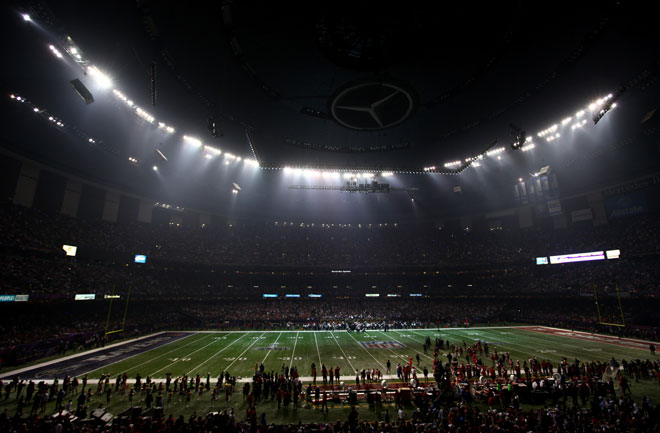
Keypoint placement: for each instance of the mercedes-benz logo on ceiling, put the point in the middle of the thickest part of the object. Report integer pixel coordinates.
(372, 105)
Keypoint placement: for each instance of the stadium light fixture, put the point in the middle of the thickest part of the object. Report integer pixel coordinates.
(145, 115)
(101, 79)
(192, 140)
(155, 168)
(26, 17)
(55, 51)
(213, 151)
(495, 151)
(166, 128)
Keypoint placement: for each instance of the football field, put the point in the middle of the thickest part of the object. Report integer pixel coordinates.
(238, 352)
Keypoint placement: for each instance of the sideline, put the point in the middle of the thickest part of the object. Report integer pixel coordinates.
(77, 355)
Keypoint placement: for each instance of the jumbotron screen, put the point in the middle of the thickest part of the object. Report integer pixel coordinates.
(70, 250)
(140, 258)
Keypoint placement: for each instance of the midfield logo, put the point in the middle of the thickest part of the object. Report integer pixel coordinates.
(381, 345)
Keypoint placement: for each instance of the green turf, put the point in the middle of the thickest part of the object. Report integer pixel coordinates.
(238, 352)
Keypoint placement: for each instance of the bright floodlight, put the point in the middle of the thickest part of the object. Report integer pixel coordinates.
(145, 115)
(101, 79)
(192, 140)
(26, 17)
(35, 109)
(155, 168)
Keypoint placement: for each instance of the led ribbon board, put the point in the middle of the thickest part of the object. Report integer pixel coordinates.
(577, 257)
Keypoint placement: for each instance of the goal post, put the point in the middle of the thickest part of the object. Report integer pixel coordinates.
(608, 320)
(123, 323)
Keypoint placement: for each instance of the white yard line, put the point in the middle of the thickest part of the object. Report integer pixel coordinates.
(342, 351)
(317, 349)
(184, 356)
(270, 350)
(216, 353)
(294, 351)
(243, 353)
(361, 346)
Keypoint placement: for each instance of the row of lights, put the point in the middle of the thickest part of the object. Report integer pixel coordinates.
(324, 225)
(145, 115)
(212, 152)
(579, 124)
(496, 151)
(104, 81)
(169, 206)
(550, 134)
(333, 173)
(55, 51)
(141, 112)
(167, 128)
(43, 112)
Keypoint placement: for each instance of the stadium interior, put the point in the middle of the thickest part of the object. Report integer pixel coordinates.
(334, 216)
